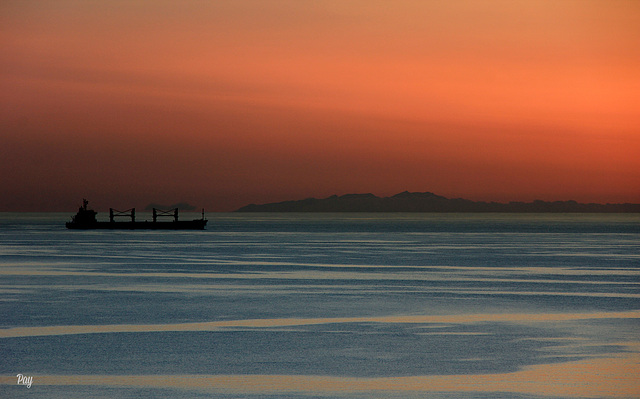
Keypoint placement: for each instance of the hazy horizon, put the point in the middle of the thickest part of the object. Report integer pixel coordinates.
(186, 207)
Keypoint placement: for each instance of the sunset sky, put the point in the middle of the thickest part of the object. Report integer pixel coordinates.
(226, 103)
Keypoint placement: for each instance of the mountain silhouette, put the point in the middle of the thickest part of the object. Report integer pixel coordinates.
(430, 202)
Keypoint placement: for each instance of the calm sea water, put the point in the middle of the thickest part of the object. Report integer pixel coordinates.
(328, 306)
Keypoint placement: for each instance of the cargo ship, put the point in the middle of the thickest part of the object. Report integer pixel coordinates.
(85, 219)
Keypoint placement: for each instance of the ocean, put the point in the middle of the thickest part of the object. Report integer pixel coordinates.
(323, 306)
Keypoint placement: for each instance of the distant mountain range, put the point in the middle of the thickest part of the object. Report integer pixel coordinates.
(430, 202)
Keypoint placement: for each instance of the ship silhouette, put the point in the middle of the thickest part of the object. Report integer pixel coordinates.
(86, 219)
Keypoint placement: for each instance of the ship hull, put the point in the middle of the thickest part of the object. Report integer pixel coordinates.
(197, 224)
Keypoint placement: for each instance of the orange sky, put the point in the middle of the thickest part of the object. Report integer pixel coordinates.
(226, 103)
